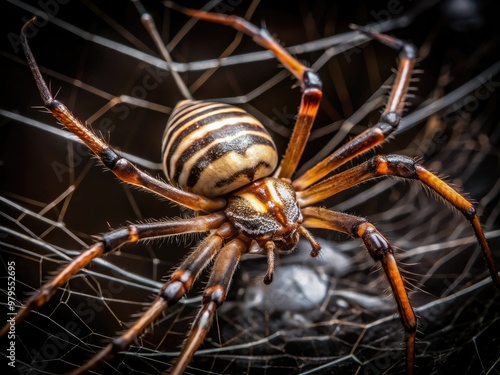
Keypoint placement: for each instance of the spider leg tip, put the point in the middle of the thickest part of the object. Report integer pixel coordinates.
(268, 279)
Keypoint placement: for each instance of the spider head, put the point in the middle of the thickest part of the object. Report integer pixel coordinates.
(267, 210)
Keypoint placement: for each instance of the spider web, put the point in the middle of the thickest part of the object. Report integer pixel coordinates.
(331, 314)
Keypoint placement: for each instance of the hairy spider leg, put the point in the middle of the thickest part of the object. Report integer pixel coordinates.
(381, 251)
(214, 295)
(389, 120)
(121, 167)
(177, 286)
(405, 167)
(112, 241)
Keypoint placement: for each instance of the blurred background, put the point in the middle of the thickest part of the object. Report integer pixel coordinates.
(325, 315)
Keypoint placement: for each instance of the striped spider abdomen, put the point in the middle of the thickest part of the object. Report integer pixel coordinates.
(212, 149)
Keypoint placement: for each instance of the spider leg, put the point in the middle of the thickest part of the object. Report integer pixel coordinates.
(121, 167)
(309, 82)
(179, 284)
(110, 242)
(405, 167)
(389, 120)
(214, 296)
(271, 262)
(381, 251)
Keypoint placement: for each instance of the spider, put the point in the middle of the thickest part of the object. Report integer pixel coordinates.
(247, 200)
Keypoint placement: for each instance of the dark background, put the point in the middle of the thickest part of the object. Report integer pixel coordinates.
(351, 329)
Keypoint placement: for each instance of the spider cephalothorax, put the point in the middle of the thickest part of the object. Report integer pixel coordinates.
(267, 211)
(219, 160)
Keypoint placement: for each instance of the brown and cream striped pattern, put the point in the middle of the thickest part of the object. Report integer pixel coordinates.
(212, 148)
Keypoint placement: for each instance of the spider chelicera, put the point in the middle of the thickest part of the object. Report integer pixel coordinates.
(221, 161)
